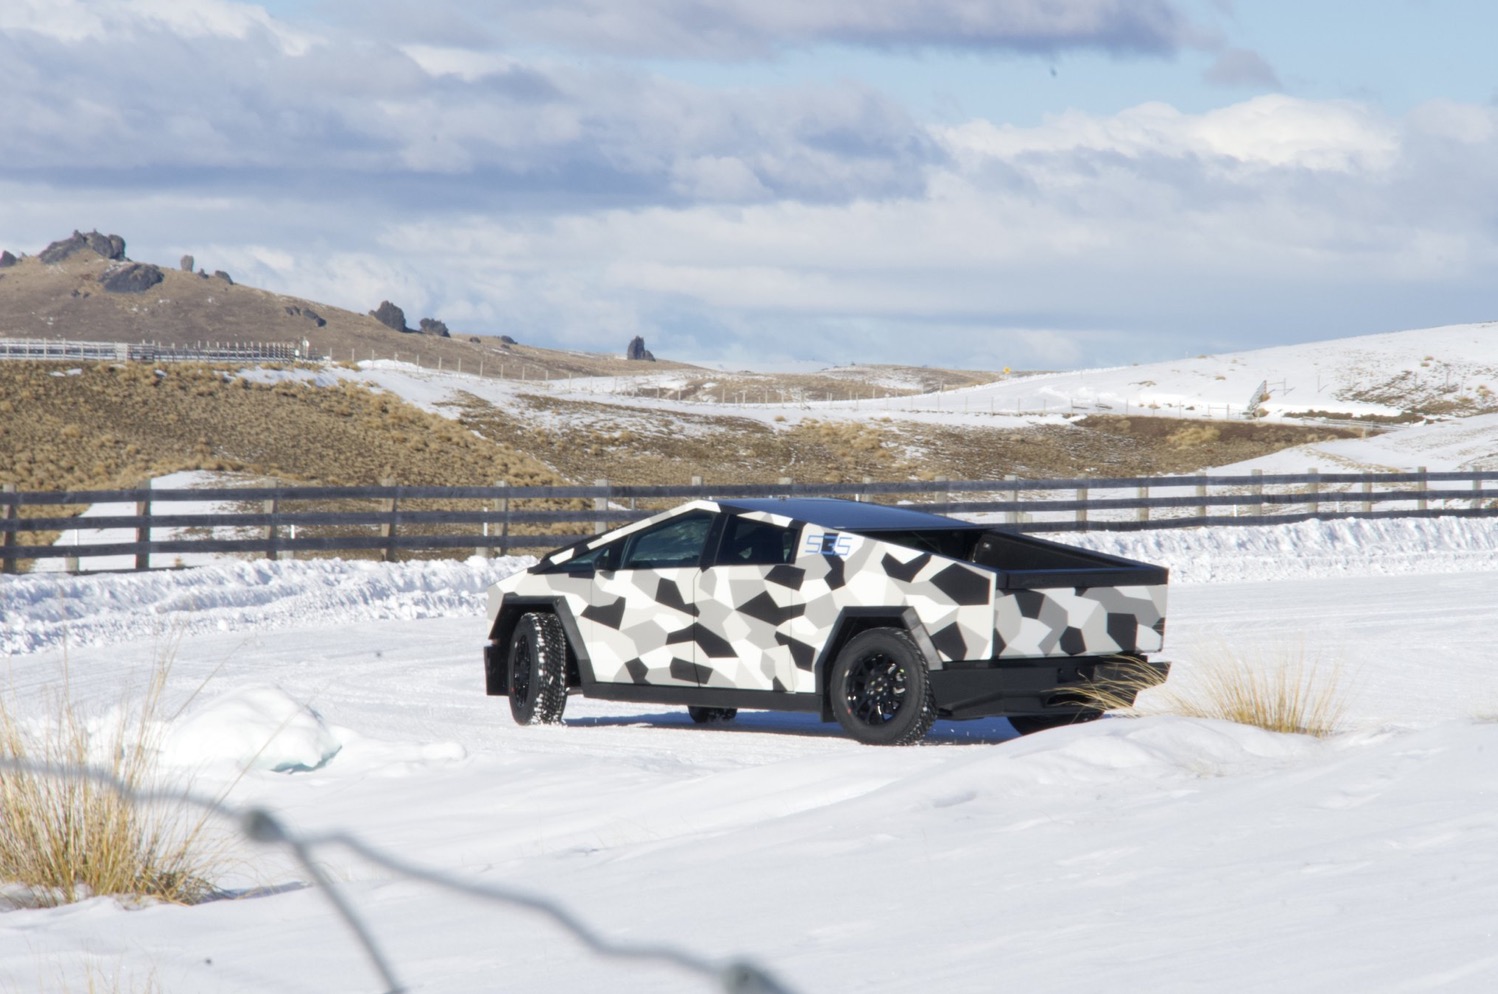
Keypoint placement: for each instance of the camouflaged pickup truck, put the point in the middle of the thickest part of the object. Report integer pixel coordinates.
(881, 618)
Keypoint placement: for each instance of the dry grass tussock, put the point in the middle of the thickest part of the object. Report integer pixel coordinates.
(1288, 694)
(65, 837)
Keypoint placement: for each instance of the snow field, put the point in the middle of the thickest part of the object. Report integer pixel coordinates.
(1160, 852)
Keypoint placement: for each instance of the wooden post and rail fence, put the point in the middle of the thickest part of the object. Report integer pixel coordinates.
(390, 521)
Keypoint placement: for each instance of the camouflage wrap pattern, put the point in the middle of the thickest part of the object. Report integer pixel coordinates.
(763, 627)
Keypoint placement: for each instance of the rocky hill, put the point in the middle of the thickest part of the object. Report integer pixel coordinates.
(85, 288)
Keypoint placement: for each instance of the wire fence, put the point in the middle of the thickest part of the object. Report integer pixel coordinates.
(143, 527)
(58, 350)
(261, 825)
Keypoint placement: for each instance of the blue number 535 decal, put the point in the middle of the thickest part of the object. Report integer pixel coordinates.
(827, 544)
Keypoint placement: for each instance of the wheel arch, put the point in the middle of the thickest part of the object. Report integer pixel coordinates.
(496, 657)
(853, 620)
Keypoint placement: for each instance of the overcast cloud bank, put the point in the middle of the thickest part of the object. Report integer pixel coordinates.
(529, 171)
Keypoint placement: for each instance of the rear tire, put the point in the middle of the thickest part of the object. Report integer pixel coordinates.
(537, 680)
(880, 689)
(711, 716)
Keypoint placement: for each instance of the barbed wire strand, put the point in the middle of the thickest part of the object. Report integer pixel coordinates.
(739, 976)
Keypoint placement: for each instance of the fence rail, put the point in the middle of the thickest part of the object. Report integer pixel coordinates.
(55, 349)
(279, 522)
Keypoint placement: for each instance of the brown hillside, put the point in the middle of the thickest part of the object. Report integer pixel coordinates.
(102, 425)
(66, 301)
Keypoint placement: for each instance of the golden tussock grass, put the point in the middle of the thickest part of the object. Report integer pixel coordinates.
(65, 836)
(1285, 694)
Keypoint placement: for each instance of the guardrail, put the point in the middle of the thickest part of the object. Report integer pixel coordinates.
(387, 521)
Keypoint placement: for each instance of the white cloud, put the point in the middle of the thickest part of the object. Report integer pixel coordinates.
(1273, 130)
(75, 21)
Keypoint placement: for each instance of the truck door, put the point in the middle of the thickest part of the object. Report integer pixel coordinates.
(746, 597)
(640, 622)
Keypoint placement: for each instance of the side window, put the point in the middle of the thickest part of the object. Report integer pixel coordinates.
(673, 543)
(603, 557)
(747, 542)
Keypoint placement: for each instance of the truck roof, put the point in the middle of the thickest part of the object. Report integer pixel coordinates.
(848, 515)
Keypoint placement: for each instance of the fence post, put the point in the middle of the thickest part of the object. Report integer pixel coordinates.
(272, 532)
(940, 494)
(1257, 488)
(143, 529)
(389, 530)
(1081, 513)
(1313, 491)
(786, 481)
(601, 504)
(1013, 482)
(1368, 492)
(1421, 502)
(1143, 514)
(1476, 492)
(504, 521)
(9, 511)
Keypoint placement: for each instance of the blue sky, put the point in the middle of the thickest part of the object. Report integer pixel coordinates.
(773, 182)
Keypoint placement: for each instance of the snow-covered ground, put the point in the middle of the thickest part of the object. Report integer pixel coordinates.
(1161, 852)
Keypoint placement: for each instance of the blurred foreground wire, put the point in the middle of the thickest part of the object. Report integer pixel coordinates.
(261, 825)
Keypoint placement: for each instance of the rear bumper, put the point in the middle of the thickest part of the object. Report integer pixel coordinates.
(1042, 686)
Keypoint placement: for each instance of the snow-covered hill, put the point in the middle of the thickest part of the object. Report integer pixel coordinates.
(1450, 373)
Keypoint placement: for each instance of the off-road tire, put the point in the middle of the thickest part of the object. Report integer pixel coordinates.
(711, 716)
(537, 680)
(880, 688)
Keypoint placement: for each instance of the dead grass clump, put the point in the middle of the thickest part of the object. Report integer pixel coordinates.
(1287, 695)
(1292, 698)
(1193, 435)
(65, 836)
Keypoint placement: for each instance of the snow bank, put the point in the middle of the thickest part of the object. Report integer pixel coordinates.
(44, 611)
(1309, 549)
(255, 727)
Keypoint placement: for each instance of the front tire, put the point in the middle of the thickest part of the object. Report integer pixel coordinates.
(537, 680)
(881, 690)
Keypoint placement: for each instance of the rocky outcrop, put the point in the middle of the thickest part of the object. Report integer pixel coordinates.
(132, 277)
(219, 274)
(637, 350)
(7, 260)
(106, 246)
(390, 316)
(431, 326)
(298, 311)
(187, 263)
(506, 340)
